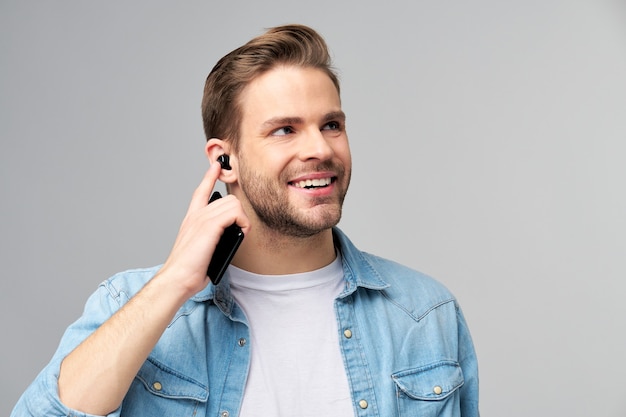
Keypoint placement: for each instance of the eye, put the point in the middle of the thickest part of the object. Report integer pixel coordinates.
(283, 131)
(332, 126)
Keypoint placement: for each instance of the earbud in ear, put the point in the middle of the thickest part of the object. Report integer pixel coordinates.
(224, 161)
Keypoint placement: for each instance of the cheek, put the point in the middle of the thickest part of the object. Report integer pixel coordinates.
(268, 164)
(342, 150)
(260, 159)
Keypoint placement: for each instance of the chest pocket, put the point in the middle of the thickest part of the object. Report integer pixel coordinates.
(429, 391)
(159, 390)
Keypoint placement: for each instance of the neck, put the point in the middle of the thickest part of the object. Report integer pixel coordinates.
(269, 253)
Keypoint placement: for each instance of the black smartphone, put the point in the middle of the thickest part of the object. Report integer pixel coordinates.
(225, 249)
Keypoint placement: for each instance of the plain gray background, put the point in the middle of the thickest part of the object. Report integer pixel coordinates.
(488, 140)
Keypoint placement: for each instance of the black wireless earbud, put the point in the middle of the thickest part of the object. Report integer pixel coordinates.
(224, 161)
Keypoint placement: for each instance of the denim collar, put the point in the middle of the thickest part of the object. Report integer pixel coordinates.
(358, 272)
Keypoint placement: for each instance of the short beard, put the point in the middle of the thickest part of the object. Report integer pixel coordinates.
(273, 209)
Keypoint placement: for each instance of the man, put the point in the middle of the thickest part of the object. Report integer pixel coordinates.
(302, 324)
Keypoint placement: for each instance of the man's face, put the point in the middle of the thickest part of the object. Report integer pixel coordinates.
(294, 159)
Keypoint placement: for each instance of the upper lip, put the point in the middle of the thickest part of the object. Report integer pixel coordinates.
(314, 176)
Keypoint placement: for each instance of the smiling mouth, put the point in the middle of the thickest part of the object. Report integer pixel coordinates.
(314, 183)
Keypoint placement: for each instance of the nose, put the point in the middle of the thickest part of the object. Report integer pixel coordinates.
(315, 145)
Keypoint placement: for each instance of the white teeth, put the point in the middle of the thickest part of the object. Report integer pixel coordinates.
(321, 182)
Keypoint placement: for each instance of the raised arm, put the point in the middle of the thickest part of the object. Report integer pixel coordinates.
(95, 377)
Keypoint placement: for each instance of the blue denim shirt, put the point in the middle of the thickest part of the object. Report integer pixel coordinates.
(406, 348)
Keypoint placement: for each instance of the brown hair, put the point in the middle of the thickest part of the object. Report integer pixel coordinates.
(283, 45)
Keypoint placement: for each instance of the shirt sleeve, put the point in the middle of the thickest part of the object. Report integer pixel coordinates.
(41, 398)
(469, 366)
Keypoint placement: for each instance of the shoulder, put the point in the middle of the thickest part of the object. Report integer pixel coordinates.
(123, 285)
(408, 288)
(407, 283)
(413, 295)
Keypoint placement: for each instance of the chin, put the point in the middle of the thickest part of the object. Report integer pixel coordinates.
(304, 226)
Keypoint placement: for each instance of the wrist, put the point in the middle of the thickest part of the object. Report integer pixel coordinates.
(175, 285)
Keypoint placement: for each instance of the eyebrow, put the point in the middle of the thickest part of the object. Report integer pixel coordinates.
(287, 121)
(334, 115)
(282, 121)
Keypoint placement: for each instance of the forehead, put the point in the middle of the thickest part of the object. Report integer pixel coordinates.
(289, 91)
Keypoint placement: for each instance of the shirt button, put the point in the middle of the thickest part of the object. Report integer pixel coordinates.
(241, 342)
(224, 414)
(347, 333)
(437, 390)
(363, 404)
(157, 386)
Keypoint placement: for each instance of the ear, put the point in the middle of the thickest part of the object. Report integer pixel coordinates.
(213, 149)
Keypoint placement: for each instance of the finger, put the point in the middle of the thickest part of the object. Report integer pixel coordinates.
(202, 193)
(229, 210)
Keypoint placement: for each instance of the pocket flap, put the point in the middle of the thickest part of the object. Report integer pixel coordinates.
(431, 382)
(165, 382)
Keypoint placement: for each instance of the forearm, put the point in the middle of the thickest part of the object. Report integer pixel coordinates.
(95, 377)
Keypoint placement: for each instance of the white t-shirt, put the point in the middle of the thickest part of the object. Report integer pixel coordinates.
(296, 368)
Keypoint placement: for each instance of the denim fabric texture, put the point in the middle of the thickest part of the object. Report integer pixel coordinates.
(406, 348)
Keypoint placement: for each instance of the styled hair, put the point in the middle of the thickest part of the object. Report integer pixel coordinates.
(296, 45)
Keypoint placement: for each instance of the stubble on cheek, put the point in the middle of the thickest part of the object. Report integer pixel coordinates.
(273, 207)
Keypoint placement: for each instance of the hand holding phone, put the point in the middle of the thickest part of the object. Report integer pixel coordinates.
(225, 249)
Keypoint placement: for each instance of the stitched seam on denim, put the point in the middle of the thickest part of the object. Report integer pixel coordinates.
(410, 314)
(180, 314)
(177, 374)
(113, 292)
